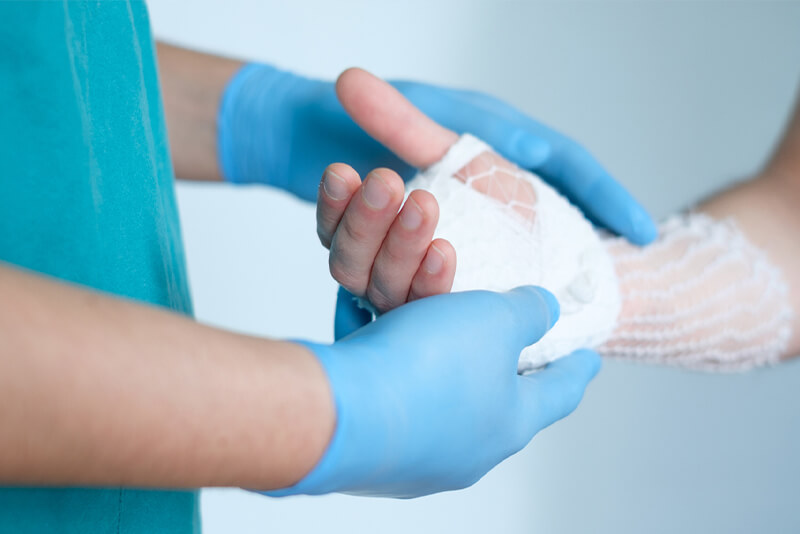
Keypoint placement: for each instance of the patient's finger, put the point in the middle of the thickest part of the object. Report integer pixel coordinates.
(339, 182)
(436, 273)
(402, 251)
(362, 229)
(391, 119)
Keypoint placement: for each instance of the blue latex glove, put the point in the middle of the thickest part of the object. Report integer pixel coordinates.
(281, 129)
(422, 408)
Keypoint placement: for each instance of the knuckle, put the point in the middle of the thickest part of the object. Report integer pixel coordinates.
(353, 229)
(380, 297)
(346, 277)
(394, 252)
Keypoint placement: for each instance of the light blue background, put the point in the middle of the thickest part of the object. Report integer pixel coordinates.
(678, 100)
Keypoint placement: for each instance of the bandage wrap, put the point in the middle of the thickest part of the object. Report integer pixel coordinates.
(509, 228)
(701, 296)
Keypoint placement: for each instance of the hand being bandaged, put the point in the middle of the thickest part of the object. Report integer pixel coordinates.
(701, 296)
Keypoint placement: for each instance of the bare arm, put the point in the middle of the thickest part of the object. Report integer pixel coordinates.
(96, 390)
(192, 84)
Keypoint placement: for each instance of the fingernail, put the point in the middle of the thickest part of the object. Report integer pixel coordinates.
(434, 260)
(334, 185)
(376, 192)
(411, 215)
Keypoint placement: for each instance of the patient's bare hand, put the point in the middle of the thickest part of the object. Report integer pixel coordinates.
(378, 249)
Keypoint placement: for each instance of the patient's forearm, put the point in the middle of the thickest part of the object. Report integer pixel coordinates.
(767, 211)
(100, 391)
(742, 302)
(718, 287)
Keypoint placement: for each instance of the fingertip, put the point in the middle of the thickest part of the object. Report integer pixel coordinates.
(392, 180)
(336, 187)
(347, 77)
(419, 216)
(427, 203)
(643, 229)
(449, 270)
(530, 151)
(433, 278)
(546, 300)
(434, 261)
(339, 182)
(382, 190)
(615, 208)
(446, 247)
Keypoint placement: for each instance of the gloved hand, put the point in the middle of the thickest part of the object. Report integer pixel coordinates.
(277, 128)
(423, 408)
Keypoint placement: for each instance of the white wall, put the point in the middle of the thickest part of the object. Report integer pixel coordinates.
(677, 99)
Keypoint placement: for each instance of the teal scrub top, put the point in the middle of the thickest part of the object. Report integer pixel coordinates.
(87, 195)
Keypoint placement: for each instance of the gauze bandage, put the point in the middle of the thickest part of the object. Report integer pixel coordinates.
(701, 296)
(509, 228)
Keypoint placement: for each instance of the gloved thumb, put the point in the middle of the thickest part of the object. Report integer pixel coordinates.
(534, 311)
(349, 317)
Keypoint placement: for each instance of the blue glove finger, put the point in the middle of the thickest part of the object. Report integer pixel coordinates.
(567, 166)
(349, 317)
(514, 143)
(574, 172)
(554, 392)
(533, 311)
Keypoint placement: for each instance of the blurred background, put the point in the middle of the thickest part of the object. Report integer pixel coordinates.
(677, 99)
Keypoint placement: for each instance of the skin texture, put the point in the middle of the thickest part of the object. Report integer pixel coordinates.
(192, 84)
(764, 208)
(376, 251)
(118, 393)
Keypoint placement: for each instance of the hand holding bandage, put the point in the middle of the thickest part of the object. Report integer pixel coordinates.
(702, 296)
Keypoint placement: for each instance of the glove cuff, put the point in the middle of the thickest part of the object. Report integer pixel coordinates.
(356, 450)
(254, 124)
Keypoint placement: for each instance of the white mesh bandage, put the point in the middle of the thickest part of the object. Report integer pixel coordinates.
(509, 228)
(701, 296)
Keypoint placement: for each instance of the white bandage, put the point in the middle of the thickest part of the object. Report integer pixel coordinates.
(504, 238)
(702, 296)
